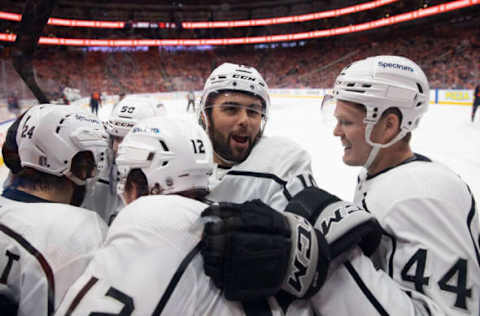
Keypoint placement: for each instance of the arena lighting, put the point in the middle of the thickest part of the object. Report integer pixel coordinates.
(413, 15)
(217, 24)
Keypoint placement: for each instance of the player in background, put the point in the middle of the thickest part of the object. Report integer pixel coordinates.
(428, 262)
(45, 240)
(476, 101)
(191, 100)
(149, 264)
(130, 110)
(95, 101)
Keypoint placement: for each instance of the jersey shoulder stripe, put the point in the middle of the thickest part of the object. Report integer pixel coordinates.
(41, 260)
(175, 279)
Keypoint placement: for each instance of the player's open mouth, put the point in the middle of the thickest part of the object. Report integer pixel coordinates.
(240, 139)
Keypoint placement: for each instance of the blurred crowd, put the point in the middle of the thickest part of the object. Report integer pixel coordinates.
(449, 58)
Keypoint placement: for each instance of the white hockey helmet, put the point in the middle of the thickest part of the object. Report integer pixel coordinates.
(129, 111)
(384, 82)
(49, 137)
(233, 77)
(175, 154)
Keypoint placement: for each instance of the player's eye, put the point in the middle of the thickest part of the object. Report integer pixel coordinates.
(253, 113)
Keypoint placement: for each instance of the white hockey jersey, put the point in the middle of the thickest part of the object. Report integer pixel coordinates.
(428, 262)
(275, 171)
(103, 198)
(44, 248)
(150, 265)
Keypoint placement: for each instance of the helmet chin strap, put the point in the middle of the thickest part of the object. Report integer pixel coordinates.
(377, 146)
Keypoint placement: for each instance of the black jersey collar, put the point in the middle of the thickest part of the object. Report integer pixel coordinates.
(13, 193)
(415, 157)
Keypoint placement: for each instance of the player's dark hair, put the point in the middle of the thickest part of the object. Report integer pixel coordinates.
(10, 147)
(33, 179)
(137, 178)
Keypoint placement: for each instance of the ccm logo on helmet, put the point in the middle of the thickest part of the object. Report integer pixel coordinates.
(236, 76)
(395, 66)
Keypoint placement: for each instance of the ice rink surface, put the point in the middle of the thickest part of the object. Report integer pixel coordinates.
(445, 134)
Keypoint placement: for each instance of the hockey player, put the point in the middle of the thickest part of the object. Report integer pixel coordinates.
(429, 256)
(45, 243)
(428, 262)
(130, 110)
(149, 264)
(190, 100)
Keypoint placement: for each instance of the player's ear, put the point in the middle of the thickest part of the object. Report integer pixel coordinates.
(202, 120)
(391, 126)
(131, 192)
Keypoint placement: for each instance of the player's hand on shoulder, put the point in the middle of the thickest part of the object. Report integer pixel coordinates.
(252, 251)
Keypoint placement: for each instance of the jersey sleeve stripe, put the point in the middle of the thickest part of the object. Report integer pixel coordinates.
(471, 216)
(47, 270)
(369, 295)
(80, 295)
(263, 175)
(175, 279)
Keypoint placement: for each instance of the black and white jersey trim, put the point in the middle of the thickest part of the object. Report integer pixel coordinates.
(175, 279)
(47, 270)
(270, 176)
(369, 295)
(470, 217)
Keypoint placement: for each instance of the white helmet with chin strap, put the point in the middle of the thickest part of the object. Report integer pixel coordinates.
(129, 111)
(384, 82)
(174, 154)
(50, 136)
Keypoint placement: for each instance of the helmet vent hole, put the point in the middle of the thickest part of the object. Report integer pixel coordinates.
(164, 146)
(62, 120)
(164, 163)
(419, 104)
(252, 87)
(58, 129)
(222, 77)
(234, 83)
(262, 84)
(351, 84)
(355, 90)
(150, 156)
(366, 85)
(420, 89)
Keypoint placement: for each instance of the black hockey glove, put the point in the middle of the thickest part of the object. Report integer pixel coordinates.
(343, 224)
(8, 306)
(252, 251)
